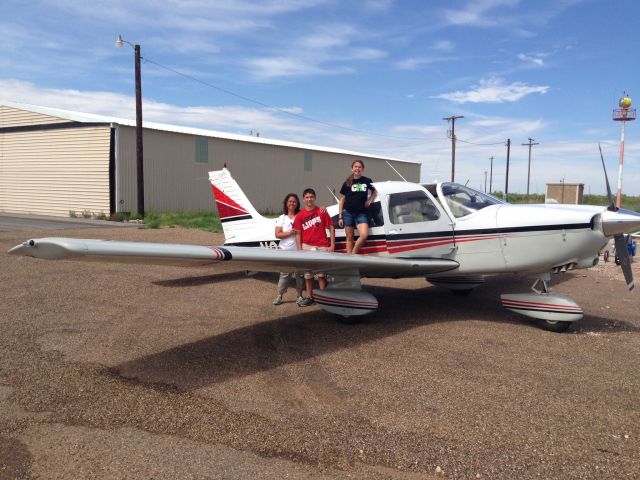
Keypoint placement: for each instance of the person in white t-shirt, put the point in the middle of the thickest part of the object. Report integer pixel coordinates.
(287, 236)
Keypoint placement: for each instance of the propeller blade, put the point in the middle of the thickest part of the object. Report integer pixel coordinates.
(622, 253)
(612, 205)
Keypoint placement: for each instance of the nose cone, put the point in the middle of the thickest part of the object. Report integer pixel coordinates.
(622, 221)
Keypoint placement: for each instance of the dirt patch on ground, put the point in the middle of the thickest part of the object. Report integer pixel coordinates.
(121, 371)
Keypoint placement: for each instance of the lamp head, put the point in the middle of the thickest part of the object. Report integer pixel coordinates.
(119, 41)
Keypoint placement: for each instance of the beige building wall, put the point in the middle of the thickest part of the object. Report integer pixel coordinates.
(52, 172)
(14, 117)
(52, 165)
(174, 180)
(567, 193)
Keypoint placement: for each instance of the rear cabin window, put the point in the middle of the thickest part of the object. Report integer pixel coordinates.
(412, 207)
(374, 213)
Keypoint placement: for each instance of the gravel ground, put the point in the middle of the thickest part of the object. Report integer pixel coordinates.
(121, 371)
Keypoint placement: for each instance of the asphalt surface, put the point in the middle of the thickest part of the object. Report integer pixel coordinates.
(122, 371)
(15, 222)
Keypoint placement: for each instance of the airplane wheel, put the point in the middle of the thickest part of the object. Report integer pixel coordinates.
(554, 326)
(462, 293)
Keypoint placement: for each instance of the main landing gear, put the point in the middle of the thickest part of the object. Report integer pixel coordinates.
(552, 311)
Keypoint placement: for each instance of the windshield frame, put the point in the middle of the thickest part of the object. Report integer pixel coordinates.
(460, 210)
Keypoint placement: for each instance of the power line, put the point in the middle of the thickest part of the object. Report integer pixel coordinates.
(480, 144)
(281, 110)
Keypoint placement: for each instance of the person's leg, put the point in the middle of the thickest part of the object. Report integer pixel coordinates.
(299, 284)
(283, 283)
(308, 278)
(349, 225)
(322, 281)
(363, 230)
(348, 231)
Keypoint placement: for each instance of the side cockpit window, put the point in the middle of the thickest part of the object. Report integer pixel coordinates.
(412, 207)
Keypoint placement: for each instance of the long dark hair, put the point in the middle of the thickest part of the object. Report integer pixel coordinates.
(285, 210)
(350, 178)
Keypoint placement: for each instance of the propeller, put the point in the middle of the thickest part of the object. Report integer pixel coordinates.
(612, 206)
(622, 251)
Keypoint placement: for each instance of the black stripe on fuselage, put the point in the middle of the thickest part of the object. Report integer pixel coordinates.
(233, 219)
(448, 233)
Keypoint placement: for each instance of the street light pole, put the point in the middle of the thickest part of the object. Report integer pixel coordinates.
(139, 152)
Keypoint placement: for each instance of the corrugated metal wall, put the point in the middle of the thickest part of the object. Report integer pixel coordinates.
(52, 172)
(175, 181)
(58, 168)
(14, 117)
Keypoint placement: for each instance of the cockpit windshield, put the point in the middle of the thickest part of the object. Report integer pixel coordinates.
(463, 201)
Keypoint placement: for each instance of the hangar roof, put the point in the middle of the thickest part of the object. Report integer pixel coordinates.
(93, 118)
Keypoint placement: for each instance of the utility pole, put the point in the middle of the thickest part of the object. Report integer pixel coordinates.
(485, 181)
(531, 143)
(506, 184)
(453, 119)
(139, 151)
(491, 175)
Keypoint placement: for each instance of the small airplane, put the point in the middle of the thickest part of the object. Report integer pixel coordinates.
(449, 233)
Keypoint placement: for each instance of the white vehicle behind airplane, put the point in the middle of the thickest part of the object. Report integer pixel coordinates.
(449, 233)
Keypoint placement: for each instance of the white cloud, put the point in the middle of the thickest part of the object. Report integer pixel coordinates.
(331, 50)
(476, 13)
(413, 63)
(493, 90)
(536, 59)
(576, 160)
(444, 45)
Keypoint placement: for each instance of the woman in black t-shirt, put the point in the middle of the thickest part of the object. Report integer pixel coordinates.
(357, 194)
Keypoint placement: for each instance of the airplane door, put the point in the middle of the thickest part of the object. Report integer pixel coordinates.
(416, 226)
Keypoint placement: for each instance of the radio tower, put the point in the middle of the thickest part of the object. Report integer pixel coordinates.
(623, 114)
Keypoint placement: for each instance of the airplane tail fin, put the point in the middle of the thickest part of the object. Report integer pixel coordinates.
(241, 222)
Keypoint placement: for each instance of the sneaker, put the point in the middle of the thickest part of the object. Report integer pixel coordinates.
(278, 300)
(307, 302)
(299, 300)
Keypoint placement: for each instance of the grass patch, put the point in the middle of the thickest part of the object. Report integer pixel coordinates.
(208, 221)
(628, 201)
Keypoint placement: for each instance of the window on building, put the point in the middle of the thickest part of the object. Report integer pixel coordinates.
(202, 150)
(308, 161)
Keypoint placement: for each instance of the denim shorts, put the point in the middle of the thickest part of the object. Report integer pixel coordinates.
(351, 220)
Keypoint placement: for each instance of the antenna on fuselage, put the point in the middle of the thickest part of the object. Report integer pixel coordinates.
(404, 179)
(333, 194)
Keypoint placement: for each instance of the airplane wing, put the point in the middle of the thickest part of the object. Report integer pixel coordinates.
(228, 258)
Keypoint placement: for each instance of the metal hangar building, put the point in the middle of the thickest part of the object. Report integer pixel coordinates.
(53, 162)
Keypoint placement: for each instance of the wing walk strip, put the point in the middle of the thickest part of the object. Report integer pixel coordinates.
(340, 302)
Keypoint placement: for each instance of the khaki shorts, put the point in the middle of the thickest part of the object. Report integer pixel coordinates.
(311, 248)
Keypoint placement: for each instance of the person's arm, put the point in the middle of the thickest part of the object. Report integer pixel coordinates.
(298, 240)
(340, 208)
(374, 194)
(282, 234)
(332, 238)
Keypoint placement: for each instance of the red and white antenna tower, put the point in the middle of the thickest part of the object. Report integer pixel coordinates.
(623, 114)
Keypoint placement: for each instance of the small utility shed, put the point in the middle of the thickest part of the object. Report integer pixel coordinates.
(56, 161)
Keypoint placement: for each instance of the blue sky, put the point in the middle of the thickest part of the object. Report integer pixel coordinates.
(381, 73)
